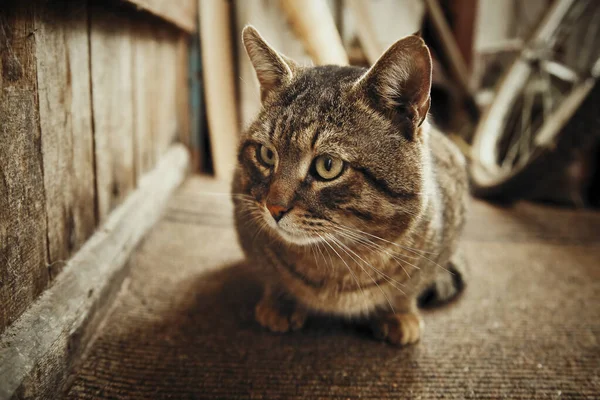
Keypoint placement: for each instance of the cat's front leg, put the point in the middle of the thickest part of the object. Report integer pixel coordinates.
(400, 328)
(278, 312)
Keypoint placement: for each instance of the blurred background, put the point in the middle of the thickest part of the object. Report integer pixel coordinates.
(474, 44)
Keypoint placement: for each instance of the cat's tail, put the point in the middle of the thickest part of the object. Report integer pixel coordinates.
(447, 285)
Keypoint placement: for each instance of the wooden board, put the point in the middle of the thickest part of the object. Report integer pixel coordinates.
(146, 95)
(23, 273)
(39, 349)
(112, 99)
(166, 80)
(181, 12)
(66, 127)
(159, 90)
(217, 64)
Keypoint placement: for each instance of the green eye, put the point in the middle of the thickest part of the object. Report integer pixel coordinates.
(267, 155)
(328, 167)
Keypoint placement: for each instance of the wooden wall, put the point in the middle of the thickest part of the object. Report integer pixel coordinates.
(90, 97)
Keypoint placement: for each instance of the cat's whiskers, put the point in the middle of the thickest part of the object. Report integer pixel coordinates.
(328, 255)
(420, 253)
(356, 238)
(345, 248)
(355, 230)
(378, 248)
(318, 247)
(383, 274)
(349, 270)
(373, 249)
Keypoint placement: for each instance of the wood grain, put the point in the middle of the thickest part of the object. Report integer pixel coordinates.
(181, 13)
(166, 81)
(63, 79)
(146, 95)
(40, 348)
(112, 99)
(217, 60)
(160, 90)
(23, 273)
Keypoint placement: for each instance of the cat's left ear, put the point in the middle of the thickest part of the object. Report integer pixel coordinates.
(273, 70)
(399, 83)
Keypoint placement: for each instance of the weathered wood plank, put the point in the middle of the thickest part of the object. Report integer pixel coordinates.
(217, 68)
(146, 95)
(112, 99)
(23, 273)
(66, 127)
(182, 13)
(166, 81)
(160, 90)
(39, 349)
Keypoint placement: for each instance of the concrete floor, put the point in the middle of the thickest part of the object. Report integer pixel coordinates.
(527, 325)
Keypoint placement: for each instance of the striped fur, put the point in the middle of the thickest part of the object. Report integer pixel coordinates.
(366, 244)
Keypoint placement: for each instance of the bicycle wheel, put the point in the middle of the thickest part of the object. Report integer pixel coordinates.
(520, 138)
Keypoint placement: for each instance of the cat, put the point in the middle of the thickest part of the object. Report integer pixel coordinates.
(346, 201)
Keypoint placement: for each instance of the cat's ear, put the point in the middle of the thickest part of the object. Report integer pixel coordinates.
(399, 83)
(273, 69)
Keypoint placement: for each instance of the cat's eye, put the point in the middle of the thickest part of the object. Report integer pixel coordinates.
(328, 167)
(267, 155)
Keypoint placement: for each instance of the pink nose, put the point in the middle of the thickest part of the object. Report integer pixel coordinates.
(277, 211)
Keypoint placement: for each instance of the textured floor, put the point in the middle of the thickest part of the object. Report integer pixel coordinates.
(527, 326)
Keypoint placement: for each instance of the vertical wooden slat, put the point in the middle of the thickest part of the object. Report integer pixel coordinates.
(112, 99)
(217, 60)
(146, 95)
(160, 90)
(165, 78)
(463, 26)
(182, 90)
(66, 126)
(23, 247)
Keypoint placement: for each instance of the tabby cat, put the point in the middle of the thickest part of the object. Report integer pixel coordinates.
(346, 201)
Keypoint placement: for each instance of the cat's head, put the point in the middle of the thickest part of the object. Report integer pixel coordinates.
(336, 150)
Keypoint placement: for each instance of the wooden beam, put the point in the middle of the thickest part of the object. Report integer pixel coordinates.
(457, 63)
(217, 68)
(39, 348)
(313, 23)
(182, 13)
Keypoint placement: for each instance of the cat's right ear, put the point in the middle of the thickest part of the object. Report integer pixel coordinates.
(273, 69)
(399, 83)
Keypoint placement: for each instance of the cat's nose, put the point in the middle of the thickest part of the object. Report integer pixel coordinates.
(277, 211)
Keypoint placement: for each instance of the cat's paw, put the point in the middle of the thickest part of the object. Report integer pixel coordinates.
(272, 317)
(399, 329)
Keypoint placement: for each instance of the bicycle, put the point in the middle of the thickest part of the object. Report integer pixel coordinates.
(546, 105)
